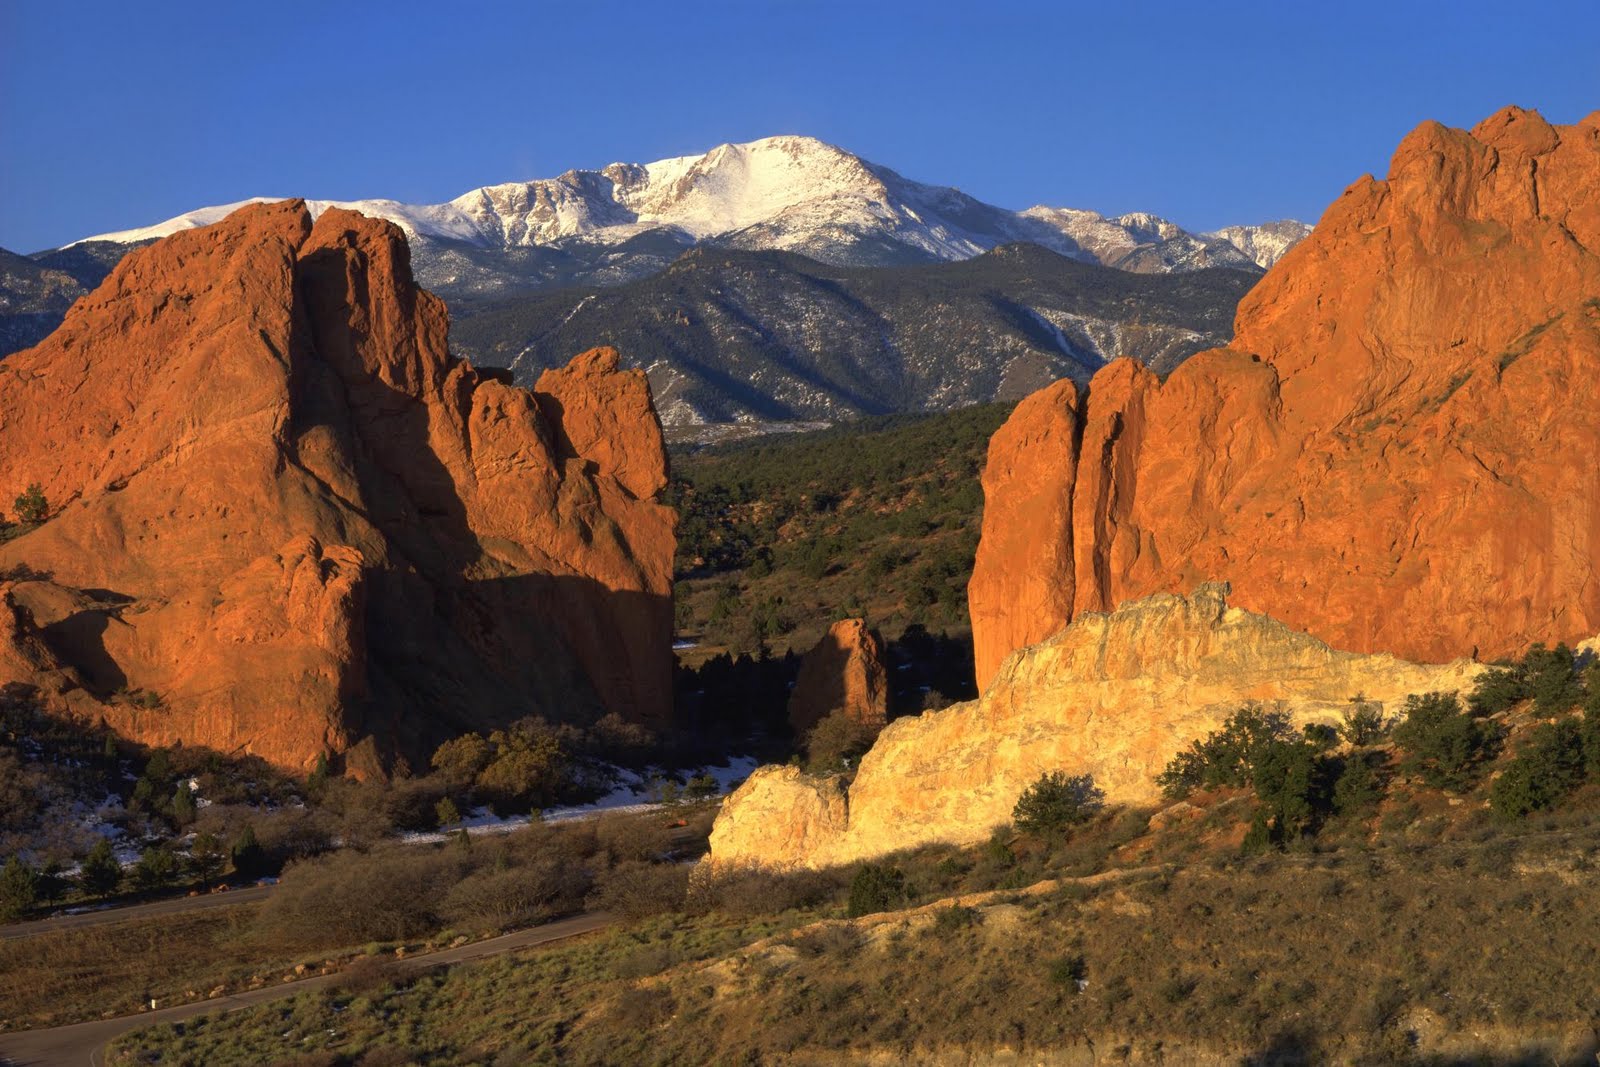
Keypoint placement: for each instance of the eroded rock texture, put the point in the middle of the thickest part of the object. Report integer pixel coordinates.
(843, 672)
(1395, 454)
(1112, 695)
(290, 522)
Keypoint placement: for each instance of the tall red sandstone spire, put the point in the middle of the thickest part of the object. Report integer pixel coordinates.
(1396, 453)
(284, 511)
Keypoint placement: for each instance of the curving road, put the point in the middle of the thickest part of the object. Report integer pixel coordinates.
(84, 1043)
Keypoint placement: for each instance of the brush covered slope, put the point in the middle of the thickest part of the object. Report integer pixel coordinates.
(285, 521)
(1384, 456)
(1115, 696)
(738, 336)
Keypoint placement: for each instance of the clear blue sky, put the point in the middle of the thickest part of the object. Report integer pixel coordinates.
(120, 114)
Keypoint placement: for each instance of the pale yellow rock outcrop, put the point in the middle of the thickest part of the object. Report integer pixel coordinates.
(1112, 695)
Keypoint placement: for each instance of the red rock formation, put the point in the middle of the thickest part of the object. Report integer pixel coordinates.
(844, 672)
(1396, 452)
(284, 509)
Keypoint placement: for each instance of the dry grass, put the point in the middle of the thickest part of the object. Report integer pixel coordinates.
(1364, 954)
(73, 975)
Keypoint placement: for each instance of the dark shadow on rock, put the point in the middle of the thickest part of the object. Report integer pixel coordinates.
(79, 642)
(444, 659)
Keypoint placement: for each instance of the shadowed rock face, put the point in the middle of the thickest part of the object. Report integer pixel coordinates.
(281, 507)
(1395, 452)
(844, 672)
(1115, 696)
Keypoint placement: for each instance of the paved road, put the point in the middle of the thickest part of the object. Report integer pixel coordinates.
(155, 909)
(84, 1043)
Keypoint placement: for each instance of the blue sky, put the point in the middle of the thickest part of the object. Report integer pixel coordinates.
(117, 115)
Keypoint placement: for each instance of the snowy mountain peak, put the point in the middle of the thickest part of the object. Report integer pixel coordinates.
(790, 192)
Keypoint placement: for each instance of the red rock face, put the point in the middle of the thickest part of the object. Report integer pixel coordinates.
(284, 511)
(1396, 452)
(844, 672)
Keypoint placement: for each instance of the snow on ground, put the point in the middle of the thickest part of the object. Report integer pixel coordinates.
(634, 794)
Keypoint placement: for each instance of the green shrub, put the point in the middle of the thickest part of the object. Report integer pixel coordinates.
(206, 857)
(947, 921)
(1320, 736)
(838, 741)
(1442, 744)
(1498, 688)
(1552, 679)
(1362, 722)
(32, 506)
(1549, 767)
(1259, 837)
(1358, 788)
(1226, 757)
(1589, 733)
(183, 805)
(1055, 802)
(1069, 973)
(1285, 780)
(875, 888)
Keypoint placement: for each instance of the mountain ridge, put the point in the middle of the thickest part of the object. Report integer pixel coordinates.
(788, 193)
(733, 336)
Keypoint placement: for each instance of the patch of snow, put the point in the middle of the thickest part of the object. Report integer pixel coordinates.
(789, 193)
(634, 794)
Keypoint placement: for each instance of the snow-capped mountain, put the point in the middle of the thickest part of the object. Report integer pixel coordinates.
(794, 194)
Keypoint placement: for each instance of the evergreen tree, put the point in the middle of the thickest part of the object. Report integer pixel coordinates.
(1055, 802)
(249, 858)
(446, 812)
(1549, 767)
(101, 873)
(205, 858)
(183, 805)
(318, 779)
(32, 505)
(1357, 788)
(19, 889)
(1443, 744)
(156, 867)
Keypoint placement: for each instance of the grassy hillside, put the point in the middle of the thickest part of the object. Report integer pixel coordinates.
(1422, 928)
(782, 536)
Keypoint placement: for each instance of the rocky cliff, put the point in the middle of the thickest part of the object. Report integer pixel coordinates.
(285, 521)
(1385, 456)
(843, 672)
(1112, 695)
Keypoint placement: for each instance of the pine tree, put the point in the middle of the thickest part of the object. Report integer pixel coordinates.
(249, 858)
(32, 505)
(19, 889)
(446, 812)
(101, 873)
(205, 858)
(183, 805)
(155, 868)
